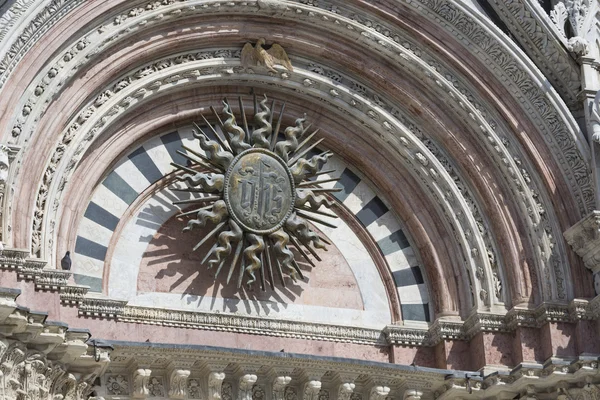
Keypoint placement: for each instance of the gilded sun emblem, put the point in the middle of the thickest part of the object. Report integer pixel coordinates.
(258, 193)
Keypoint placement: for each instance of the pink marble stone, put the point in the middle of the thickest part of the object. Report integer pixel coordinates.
(409, 355)
(170, 266)
(527, 346)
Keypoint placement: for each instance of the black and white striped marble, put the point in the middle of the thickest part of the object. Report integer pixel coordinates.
(133, 174)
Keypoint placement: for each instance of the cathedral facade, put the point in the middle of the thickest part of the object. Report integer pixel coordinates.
(299, 199)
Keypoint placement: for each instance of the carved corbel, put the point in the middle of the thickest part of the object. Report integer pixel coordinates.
(312, 389)
(215, 385)
(141, 378)
(279, 385)
(584, 238)
(345, 391)
(245, 386)
(411, 394)
(379, 393)
(178, 383)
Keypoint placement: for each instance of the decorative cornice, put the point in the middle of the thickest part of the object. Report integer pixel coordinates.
(98, 306)
(444, 329)
(371, 380)
(250, 325)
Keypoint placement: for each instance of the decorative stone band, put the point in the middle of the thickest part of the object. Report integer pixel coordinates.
(65, 369)
(44, 279)
(297, 375)
(94, 304)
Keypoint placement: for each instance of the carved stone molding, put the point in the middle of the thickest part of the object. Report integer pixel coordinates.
(540, 39)
(376, 381)
(584, 238)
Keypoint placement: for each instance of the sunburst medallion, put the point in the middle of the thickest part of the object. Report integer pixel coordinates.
(259, 195)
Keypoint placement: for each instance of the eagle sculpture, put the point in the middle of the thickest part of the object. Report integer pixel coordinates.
(257, 55)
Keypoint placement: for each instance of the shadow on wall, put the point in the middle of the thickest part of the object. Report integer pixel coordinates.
(170, 265)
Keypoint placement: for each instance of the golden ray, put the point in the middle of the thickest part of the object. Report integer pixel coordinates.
(209, 235)
(315, 182)
(303, 152)
(198, 200)
(275, 133)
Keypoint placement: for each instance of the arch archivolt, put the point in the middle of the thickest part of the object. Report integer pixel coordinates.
(359, 102)
(372, 117)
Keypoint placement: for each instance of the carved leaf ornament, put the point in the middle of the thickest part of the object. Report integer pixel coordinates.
(255, 191)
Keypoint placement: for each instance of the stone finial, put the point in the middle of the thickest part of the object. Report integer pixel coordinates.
(215, 385)
(178, 383)
(379, 393)
(411, 394)
(279, 385)
(312, 389)
(141, 378)
(245, 386)
(346, 390)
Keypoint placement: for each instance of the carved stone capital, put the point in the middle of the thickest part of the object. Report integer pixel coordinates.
(141, 378)
(584, 238)
(178, 383)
